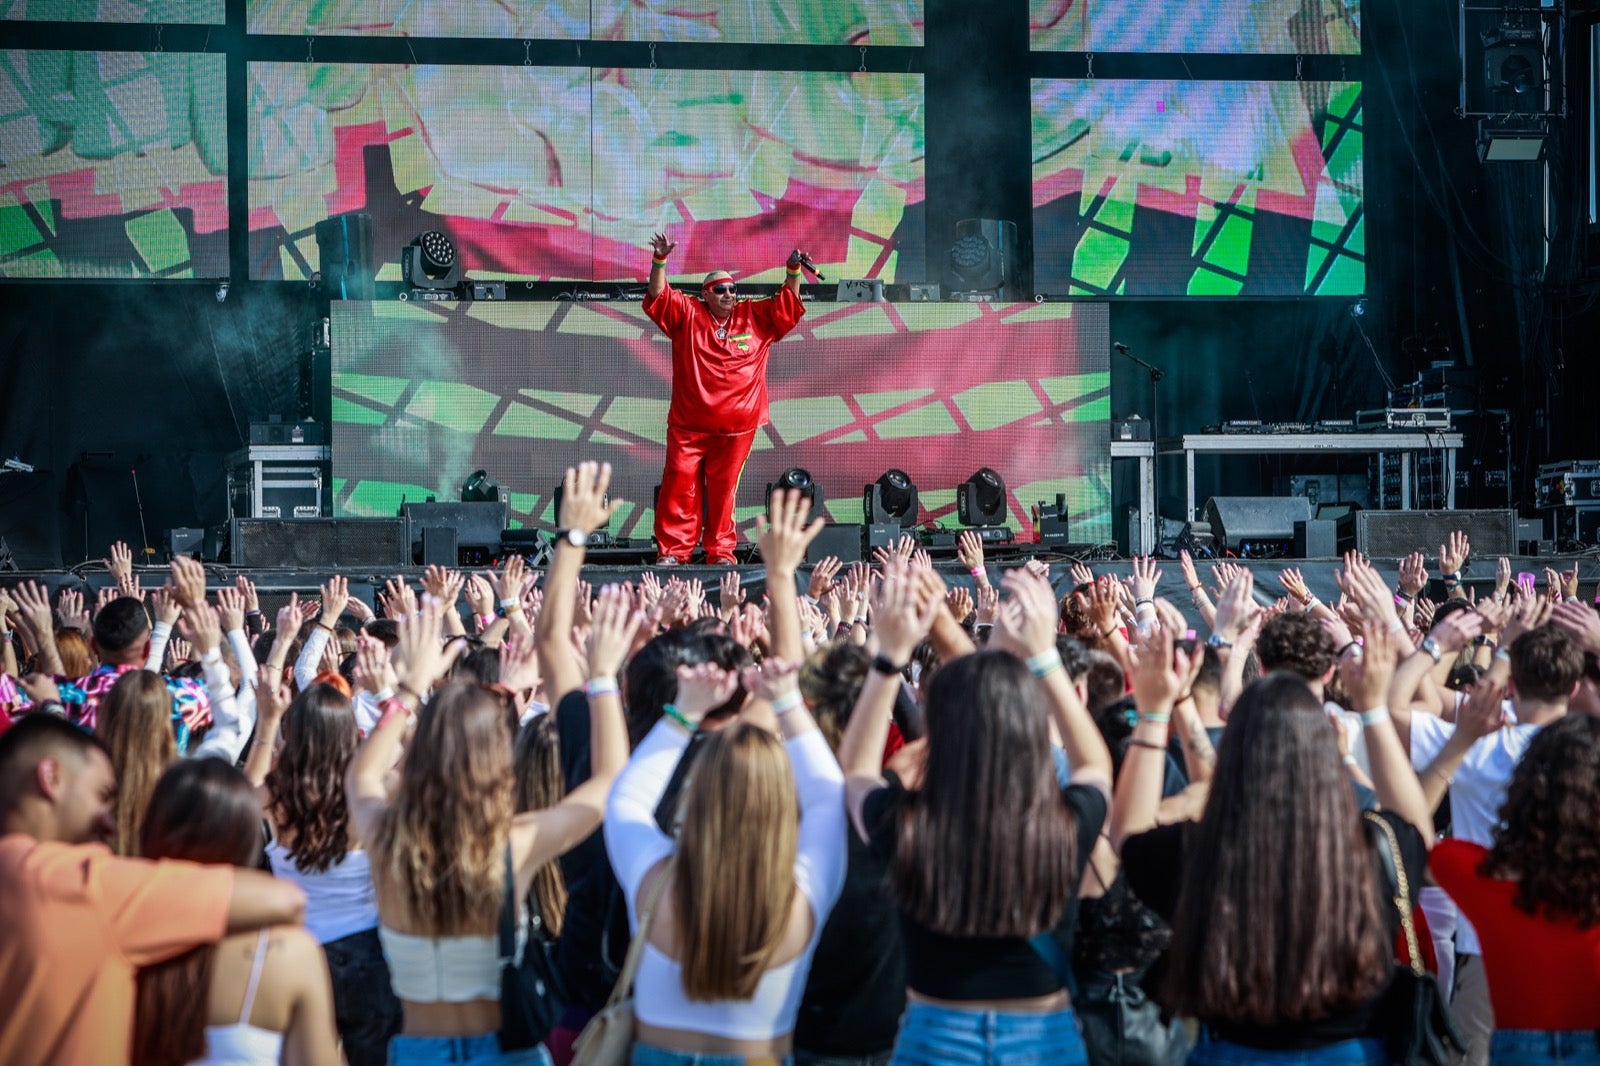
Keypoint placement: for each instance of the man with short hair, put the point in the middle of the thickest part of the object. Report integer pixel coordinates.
(719, 398)
(79, 921)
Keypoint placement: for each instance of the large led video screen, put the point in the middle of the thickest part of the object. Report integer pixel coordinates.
(860, 22)
(150, 12)
(423, 395)
(542, 173)
(1196, 188)
(113, 165)
(1225, 27)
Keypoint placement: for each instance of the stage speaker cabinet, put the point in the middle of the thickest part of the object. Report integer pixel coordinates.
(983, 260)
(476, 525)
(841, 540)
(344, 248)
(439, 547)
(1238, 520)
(1394, 534)
(320, 542)
(1316, 539)
(883, 534)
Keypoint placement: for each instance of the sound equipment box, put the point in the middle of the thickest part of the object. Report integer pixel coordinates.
(1394, 534)
(320, 542)
(1239, 521)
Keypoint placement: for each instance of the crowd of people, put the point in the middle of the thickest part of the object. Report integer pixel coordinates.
(510, 818)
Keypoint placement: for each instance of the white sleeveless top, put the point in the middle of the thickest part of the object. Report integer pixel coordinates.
(243, 1044)
(340, 901)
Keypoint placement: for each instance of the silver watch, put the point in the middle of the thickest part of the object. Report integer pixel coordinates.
(575, 537)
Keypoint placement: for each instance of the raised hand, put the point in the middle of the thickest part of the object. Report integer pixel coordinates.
(1146, 577)
(987, 602)
(201, 627)
(1105, 596)
(335, 594)
(1027, 623)
(1081, 575)
(1484, 712)
(230, 606)
(898, 622)
(1531, 612)
(179, 651)
(120, 563)
(1456, 631)
(822, 576)
(730, 597)
(1453, 554)
(247, 589)
(188, 581)
(1236, 607)
(702, 689)
(959, 600)
(480, 596)
(1366, 674)
(33, 605)
(969, 549)
(584, 505)
(1413, 574)
(289, 618)
(1190, 579)
(1580, 622)
(420, 648)
(72, 612)
(519, 663)
(783, 539)
(397, 598)
(1502, 577)
(772, 679)
(1294, 584)
(650, 591)
(1160, 671)
(374, 669)
(660, 248)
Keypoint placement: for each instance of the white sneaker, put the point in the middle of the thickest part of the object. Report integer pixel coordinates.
(669, 560)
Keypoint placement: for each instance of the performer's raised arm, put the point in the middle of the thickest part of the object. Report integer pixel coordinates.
(791, 276)
(660, 248)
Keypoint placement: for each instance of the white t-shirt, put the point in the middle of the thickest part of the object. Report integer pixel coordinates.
(1479, 787)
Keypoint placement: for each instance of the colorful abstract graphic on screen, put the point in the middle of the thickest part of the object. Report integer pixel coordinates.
(424, 395)
(1224, 27)
(563, 173)
(1161, 188)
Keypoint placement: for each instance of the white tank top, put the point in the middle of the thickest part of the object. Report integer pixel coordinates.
(339, 901)
(243, 1044)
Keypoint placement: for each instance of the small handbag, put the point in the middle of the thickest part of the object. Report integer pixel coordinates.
(1420, 1028)
(531, 993)
(608, 1038)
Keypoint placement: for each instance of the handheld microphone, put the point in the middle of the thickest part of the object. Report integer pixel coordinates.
(805, 261)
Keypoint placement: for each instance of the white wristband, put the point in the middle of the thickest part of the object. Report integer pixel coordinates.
(786, 702)
(1374, 716)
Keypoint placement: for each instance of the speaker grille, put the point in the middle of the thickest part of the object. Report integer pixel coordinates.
(1392, 534)
(319, 542)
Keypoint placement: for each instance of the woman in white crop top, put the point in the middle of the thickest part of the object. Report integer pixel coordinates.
(252, 999)
(313, 845)
(759, 863)
(437, 834)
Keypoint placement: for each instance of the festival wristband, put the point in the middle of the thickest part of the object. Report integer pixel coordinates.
(1161, 718)
(977, 571)
(786, 702)
(393, 710)
(1045, 663)
(485, 621)
(601, 685)
(792, 271)
(509, 602)
(657, 262)
(1349, 760)
(678, 716)
(1375, 716)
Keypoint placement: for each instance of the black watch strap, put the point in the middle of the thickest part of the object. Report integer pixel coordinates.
(881, 664)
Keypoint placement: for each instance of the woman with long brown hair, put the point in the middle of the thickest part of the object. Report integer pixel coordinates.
(135, 721)
(1283, 929)
(986, 853)
(443, 832)
(252, 999)
(313, 845)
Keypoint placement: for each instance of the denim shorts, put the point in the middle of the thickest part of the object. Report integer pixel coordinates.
(1540, 1047)
(461, 1051)
(1210, 1052)
(650, 1055)
(947, 1036)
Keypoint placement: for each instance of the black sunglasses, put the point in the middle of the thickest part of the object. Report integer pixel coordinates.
(723, 290)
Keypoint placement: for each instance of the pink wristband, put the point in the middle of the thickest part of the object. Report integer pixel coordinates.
(392, 709)
(977, 571)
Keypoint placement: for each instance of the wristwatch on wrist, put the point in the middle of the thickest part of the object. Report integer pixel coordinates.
(1216, 641)
(575, 537)
(884, 665)
(1431, 646)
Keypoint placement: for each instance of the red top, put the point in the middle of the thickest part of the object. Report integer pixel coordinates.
(719, 370)
(1542, 974)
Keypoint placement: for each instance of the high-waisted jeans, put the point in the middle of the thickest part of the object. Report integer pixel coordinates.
(947, 1036)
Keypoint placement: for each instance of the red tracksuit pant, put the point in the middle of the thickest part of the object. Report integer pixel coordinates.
(702, 475)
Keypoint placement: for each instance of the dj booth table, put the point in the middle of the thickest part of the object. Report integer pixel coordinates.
(1402, 444)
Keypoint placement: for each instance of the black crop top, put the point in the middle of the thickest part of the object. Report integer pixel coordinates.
(969, 968)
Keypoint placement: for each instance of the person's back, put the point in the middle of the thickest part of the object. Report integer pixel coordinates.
(263, 984)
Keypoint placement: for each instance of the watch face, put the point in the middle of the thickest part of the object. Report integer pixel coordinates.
(577, 538)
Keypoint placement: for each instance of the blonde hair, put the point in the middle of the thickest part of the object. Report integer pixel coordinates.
(734, 886)
(442, 841)
(135, 721)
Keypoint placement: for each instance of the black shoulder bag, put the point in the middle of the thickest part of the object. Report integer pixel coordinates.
(1420, 1030)
(531, 994)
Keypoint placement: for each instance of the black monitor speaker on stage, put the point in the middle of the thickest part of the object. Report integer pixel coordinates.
(344, 248)
(1240, 521)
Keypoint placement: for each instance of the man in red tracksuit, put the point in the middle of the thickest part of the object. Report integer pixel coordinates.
(719, 398)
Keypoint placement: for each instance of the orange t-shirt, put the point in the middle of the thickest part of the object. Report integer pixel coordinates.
(76, 923)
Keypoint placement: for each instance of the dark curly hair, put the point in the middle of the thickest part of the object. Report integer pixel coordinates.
(1549, 835)
(307, 782)
(1297, 643)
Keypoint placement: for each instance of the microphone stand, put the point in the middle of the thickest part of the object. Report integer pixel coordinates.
(1156, 374)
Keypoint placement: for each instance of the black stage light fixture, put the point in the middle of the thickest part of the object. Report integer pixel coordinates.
(891, 500)
(430, 263)
(796, 478)
(480, 488)
(981, 500)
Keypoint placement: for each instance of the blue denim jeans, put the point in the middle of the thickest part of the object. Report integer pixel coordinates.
(650, 1055)
(1539, 1047)
(945, 1036)
(461, 1051)
(1210, 1052)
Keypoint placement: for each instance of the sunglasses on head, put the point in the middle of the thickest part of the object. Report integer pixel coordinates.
(724, 290)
